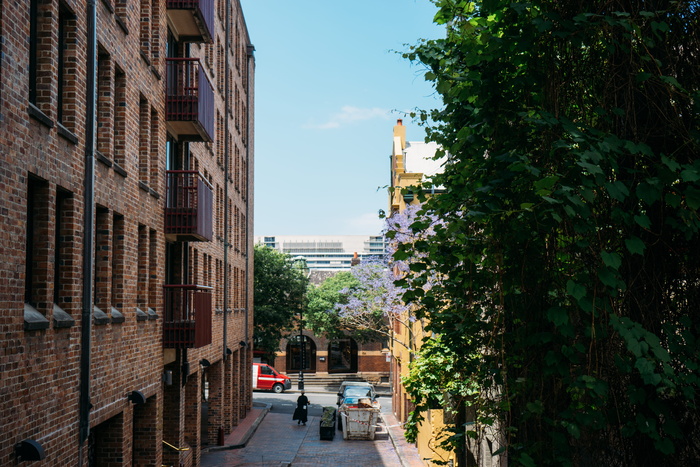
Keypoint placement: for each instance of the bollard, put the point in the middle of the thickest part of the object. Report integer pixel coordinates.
(221, 436)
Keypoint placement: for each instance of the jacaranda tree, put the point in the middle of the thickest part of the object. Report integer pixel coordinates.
(568, 251)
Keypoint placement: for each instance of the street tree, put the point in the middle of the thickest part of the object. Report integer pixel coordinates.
(321, 315)
(569, 272)
(280, 296)
(373, 304)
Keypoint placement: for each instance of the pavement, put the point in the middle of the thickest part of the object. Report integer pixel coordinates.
(279, 435)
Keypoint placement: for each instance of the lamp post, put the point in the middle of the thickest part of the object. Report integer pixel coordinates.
(300, 262)
(301, 351)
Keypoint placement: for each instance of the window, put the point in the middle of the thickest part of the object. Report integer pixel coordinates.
(63, 242)
(145, 30)
(170, 153)
(155, 32)
(219, 67)
(37, 250)
(66, 69)
(41, 55)
(152, 269)
(103, 262)
(144, 143)
(142, 269)
(33, 49)
(118, 261)
(119, 117)
(154, 149)
(105, 119)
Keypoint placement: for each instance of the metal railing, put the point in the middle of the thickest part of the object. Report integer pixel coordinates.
(190, 95)
(189, 206)
(187, 317)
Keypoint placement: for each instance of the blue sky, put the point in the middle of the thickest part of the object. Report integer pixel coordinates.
(329, 88)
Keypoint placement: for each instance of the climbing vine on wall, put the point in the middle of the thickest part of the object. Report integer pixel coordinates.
(568, 250)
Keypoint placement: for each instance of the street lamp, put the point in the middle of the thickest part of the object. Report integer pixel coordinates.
(300, 262)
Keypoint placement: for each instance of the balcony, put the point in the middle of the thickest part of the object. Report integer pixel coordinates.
(189, 100)
(188, 207)
(187, 320)
(192, 20)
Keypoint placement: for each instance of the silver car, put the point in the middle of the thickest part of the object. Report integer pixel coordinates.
(355, 389)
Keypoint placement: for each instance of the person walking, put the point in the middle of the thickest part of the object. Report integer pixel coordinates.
(302, 410)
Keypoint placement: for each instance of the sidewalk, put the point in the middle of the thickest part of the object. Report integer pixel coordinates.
(242, 433)
(408, 453)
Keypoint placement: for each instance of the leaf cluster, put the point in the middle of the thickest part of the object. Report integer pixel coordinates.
(567, 250)
(280, 295)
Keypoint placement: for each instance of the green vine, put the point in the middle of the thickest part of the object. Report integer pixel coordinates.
(568, 260)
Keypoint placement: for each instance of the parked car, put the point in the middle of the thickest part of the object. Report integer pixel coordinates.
(359, 389)
(268, 379)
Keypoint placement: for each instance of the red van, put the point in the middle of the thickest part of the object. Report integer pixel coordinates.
(266, 378)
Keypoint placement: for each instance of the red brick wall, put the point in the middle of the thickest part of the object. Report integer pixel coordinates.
(40, 369)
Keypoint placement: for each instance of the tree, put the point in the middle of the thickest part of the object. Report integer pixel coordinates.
(373, 304)
(280, 295)
(321, 316)
(567, 254)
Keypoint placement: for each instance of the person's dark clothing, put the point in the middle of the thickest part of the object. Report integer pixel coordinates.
(301, 412)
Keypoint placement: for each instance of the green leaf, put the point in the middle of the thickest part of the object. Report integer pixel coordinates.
(690, 175)
(643, 76)
(558, 316)
(608, 278)
(635, 245)
(670, 163)
(692, 197)
(617, 190)
(577, 291)
(672, 81)
(612, 260)
(526, 461)
(643, 221)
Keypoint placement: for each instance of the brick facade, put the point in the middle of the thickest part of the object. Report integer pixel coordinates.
(366, 359)
(43, 218)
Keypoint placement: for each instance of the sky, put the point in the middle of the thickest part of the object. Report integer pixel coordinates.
(330, 84)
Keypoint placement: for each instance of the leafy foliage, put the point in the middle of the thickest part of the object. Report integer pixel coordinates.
(280, 294)
(567, 253)
(373, 303)
(321, 316)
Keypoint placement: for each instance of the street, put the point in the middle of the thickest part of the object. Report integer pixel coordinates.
(279, 441)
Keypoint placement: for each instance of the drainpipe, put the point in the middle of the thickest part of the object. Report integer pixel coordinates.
(250, 49)
(227, 150)
(88, 221)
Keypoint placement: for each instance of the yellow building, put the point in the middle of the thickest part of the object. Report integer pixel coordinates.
(411, 164)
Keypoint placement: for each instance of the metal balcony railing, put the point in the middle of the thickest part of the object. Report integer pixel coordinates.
(189, 100)
(189, 207)
(187, 317)
(192, 20)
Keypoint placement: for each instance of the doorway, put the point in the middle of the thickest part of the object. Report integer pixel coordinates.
(295, 354)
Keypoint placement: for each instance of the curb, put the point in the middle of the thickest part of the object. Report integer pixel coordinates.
(248, 434)
(394, 442)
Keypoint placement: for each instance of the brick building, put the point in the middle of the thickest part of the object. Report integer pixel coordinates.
(126, 202)
(337, 357)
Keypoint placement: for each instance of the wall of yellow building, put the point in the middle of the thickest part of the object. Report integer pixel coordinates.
(404, 341)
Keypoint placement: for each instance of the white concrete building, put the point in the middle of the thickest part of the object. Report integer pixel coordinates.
(327, 252)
